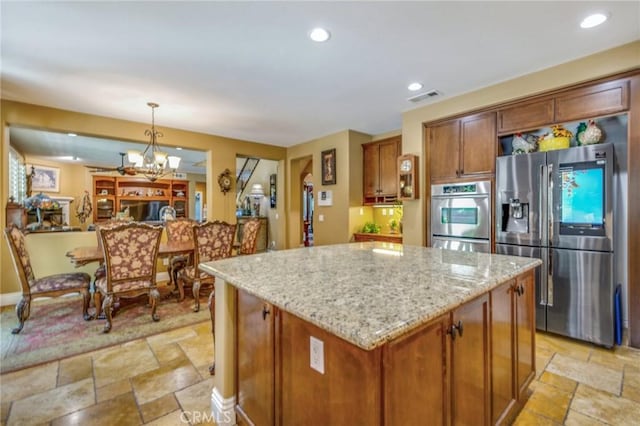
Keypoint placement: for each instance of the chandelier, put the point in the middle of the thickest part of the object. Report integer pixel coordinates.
(152, 162)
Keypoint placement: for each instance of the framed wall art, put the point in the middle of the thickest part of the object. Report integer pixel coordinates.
(272, 191)
(44, 179)
(329, 167)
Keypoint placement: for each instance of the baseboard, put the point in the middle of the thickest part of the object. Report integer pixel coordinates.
(7, 299)
(223, 410)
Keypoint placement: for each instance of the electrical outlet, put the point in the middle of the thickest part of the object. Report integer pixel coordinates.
(384, 212)
(165, 261)
(317, 354)
(361, 211)
(321, 217)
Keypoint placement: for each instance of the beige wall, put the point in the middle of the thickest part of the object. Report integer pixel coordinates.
(347, 191)
(220, 152)
(612, 61)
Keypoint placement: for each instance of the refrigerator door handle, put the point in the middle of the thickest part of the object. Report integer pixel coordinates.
(542, 216)
(550, 280)
(550, 202)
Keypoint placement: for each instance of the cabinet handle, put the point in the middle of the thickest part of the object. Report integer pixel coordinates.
(452, 332)
(265, 311)
(455, 327)
(521, 289)
(461, 172)
(517, 290)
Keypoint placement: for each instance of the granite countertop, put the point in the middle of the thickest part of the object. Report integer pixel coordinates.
(368, 293)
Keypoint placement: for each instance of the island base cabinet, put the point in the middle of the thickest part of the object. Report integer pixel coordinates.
(525, 333)
(255, 343)
(417, 362)
(512, 345)
(347, 392)
(469, 333)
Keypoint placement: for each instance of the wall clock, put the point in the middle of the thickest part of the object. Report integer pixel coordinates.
(408, 177)
(224, 180)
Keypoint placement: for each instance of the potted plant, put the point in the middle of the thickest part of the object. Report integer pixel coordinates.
(393, 226)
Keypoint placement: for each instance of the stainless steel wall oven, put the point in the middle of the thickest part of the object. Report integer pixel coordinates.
(461, 216)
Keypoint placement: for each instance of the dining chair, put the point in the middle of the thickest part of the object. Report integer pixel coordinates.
(179, 230)
(48, 286)
(131, 253)
(212, 241)
(249, 236)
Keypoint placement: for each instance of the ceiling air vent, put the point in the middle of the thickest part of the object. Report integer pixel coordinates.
(424, 95)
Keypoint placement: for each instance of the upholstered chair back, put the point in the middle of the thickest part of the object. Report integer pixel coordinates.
(130, 252)
(213, 240)
(20, 256)
(179, 230)
(108, 224)
(250, 236)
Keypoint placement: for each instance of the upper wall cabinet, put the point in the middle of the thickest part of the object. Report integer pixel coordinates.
(576, 104)
(463, 147)
(592, 101)
(379, 170)
(526, 116)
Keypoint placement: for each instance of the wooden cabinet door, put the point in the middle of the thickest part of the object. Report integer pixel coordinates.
(255, 397)
(414, 377)
(478, 155)
(444, 144)
(525, 332)
(526, 116)
(347, 392)
(592, 101)
(503, 394)
(388, 155)
(370, 169)
(470, 364)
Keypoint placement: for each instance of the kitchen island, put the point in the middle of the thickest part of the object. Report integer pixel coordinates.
(372, 333)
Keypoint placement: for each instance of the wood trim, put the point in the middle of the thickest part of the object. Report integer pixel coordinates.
(633, 214)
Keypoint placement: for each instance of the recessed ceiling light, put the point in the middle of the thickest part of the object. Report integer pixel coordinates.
(414, 87)
(73, 135)
(319, 35)
(593, 20)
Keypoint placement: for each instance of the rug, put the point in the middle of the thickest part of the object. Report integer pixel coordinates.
(57, 330)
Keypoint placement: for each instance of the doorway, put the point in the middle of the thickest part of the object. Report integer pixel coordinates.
(307, 211)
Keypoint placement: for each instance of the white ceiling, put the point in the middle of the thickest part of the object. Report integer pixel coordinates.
(247, 70)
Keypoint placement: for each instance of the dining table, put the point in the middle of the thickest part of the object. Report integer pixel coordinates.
(80, 256)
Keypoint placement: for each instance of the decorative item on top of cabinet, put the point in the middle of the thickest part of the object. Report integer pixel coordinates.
(408, 177)
(379, 171)
(463, 147)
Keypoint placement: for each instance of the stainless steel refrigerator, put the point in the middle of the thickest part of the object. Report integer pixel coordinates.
(557, 206)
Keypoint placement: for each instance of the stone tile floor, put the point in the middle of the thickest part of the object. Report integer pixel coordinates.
(164, 380)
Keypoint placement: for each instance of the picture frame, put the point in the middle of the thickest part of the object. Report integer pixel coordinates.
(329, 167)
(272, 191)
(44, 179)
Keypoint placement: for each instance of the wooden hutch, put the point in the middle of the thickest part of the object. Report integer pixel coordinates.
(142, 197)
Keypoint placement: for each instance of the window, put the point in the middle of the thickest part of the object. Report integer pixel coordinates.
(17, 176)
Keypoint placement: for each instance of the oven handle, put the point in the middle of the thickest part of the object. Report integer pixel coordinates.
(457, 197)
(461, 240)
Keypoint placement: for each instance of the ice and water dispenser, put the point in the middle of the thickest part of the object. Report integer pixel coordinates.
(515, 215)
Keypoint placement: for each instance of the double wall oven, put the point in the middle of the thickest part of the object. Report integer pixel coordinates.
(461, 216)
